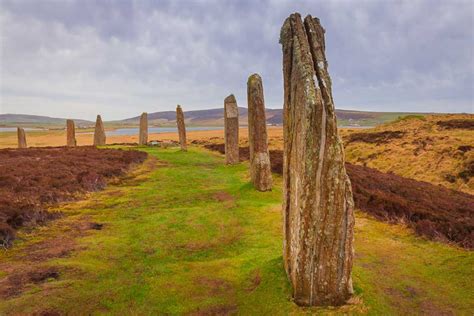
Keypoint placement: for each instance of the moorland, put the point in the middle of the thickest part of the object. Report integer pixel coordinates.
(183, 233)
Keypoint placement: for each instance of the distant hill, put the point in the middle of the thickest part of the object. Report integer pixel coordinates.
(214, 117)
(211, 117)
(24, 120)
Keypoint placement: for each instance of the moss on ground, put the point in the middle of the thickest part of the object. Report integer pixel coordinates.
(191, 235)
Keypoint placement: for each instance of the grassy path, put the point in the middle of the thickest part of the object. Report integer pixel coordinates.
(192, 236)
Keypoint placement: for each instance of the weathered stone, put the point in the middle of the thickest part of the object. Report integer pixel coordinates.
(21, 138)
(181, 128)
(231, 127)
(260, 168)
(99, 133)
(317, 196)
(143, 134)
(71, 133)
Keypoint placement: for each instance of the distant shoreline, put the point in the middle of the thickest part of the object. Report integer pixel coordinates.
(131, 130)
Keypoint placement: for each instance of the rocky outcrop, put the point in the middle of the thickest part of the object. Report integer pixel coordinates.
(21, 138)
(143, 133)
(231, 127)
(99, 133)
(71, 133)
(260, 169)
(181, 128)
(317, 201)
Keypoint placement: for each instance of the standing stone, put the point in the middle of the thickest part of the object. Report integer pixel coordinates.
(99, 133)
(317, 196)
(231, 127)
(181, 128)
(71, 133)
(21, 138)
(260, 169)
(143, 135)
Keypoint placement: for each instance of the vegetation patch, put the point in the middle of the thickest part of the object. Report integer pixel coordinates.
(410, 117)
(426, 152)
(468, 171)
(32, 179)
(15, 283)
(216, 310)
(139, 262)
(374, 137)
(465, 148)
(432, 211)
(457, 124)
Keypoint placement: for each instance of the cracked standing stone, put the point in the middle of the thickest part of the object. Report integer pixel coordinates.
(260, 168)
(71, 133)
(231, 127)
(21, 138)
(181, 128)
(143, 133)
(317, 197)
(99, 133)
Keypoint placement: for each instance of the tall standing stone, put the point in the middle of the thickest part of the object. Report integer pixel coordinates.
(317, 196)
(21, 138)
(260, 168)
(71, 133)
(99, 133)
(143, 134)
(231, 127)
(181, 128)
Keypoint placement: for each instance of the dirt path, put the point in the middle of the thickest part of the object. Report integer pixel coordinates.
(188, 235)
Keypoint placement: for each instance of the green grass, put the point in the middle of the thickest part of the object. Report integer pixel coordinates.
(409, 117)
(379, 118)
(192, 235)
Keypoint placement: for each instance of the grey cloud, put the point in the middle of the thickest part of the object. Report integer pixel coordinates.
(76, 58)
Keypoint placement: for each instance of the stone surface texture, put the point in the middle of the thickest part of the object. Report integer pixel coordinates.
(71, 133)
(260, 168)
(143, 133)
(317, 196)
(99, 133)
(231, 127)
(21, 138)
(181, 128)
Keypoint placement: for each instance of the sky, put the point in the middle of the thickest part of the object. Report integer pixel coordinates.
(80, 58)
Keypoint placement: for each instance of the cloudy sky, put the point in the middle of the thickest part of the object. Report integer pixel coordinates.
(70, 58)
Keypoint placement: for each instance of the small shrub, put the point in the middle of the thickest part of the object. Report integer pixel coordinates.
(410, 117)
